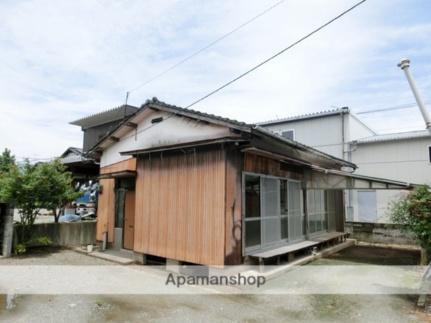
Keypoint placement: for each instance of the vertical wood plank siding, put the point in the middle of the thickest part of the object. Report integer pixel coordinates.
(180, 206)
(125, 165)
(106, 203)
(106, 209)
(233, 243)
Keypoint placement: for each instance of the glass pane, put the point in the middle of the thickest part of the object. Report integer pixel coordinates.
(283, 197)
(271, 229)
(284, 228)
(119, 206)
(252, 233)
(271, 197)
(295, 211)
(252, 196)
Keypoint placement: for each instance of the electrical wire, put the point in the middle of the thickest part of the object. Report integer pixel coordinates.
(398, 107)
(185, 59)
(277, 54)
(260, 64)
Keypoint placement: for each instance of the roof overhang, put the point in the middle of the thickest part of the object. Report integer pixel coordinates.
(104, 117)
(320, 178)
(183, 146)
(121, 174)
(277, 144)
(260, 137)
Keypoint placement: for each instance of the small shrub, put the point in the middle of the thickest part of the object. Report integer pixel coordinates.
(20, 249)
(40, 241)
(414, 213)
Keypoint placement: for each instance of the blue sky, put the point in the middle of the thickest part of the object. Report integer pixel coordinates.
(63, 60)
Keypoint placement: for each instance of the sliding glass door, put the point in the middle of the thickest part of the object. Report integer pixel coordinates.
(317, 211)
(273, 211)
(296, 214)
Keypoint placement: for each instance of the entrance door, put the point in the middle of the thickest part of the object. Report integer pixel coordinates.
(120, 194)
(129, 220)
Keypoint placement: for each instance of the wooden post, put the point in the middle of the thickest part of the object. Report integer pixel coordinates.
(304, 198)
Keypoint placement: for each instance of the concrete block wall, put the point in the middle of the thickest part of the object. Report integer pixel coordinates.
(382, 233)
(73, 234)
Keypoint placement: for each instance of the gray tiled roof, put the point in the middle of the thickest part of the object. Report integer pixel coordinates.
(106, 116)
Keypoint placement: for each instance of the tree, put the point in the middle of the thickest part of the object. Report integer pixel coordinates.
(56, 187)
(20, 187)
(414, 213)
(7, 161)
(33, 187)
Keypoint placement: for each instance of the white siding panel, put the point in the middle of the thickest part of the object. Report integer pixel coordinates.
(170, 131)
(322, 133)
(405, 160)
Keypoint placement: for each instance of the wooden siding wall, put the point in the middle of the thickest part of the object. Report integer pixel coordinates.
(106, 202)
(106, 210)
(180, 206)
(234, 166)
(263, 165)
(125, 165)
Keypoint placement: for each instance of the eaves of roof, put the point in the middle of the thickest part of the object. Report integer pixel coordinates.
(233, 124)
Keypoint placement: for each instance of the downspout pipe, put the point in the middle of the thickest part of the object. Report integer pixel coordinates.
(404, 65)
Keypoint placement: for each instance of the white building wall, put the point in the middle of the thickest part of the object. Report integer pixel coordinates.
(357, 129)
(170, 131)
(325, 133)
(404, 160)
(322, 133)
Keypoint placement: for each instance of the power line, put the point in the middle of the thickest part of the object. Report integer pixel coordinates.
(398, 107)
(259, 65)
(185, 59)
(277, 54)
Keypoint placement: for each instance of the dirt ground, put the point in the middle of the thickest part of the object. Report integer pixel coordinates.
(207, 308)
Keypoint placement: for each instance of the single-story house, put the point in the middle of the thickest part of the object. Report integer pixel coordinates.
(197, 188)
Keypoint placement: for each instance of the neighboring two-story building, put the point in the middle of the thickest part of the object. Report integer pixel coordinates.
(84, 165)
(401, 156)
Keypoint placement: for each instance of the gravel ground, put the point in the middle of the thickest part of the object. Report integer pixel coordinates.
(199, 308)
(53, 256)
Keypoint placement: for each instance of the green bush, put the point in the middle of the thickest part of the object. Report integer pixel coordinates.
(22, 248)
(414, 213)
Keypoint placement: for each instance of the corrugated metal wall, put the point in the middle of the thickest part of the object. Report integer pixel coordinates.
(180, 206)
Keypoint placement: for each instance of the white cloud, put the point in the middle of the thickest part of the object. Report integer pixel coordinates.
(63, 60)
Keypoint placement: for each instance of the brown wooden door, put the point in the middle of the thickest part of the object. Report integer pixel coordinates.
(129, 220)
